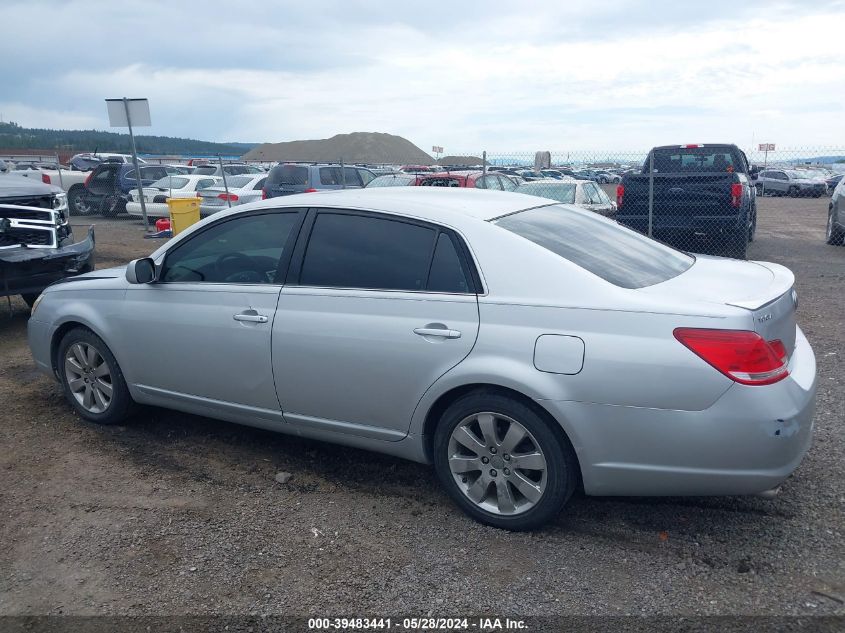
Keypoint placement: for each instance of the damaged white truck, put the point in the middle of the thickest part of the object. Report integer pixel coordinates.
(37, 245)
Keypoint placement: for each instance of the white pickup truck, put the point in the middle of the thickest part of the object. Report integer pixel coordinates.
(64, 178)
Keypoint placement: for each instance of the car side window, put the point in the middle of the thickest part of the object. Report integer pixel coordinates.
(366, 176)
(447, 274)
(355, 251)
(242, 250)
(507, 183)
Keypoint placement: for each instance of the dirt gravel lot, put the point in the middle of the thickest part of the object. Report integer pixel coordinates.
(177, 514)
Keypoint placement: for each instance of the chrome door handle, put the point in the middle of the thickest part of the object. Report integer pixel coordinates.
(436, 331)
(251, 316)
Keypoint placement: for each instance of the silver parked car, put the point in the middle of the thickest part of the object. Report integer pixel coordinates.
(787, 182)
(582, 193)
(241, 190)
(836, 216)
(524, 347)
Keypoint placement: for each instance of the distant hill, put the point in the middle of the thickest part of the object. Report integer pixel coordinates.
(357, 147)
(13, 136)
(466, 161)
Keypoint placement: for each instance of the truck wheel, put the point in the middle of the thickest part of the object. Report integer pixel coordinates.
(737, 246)
(30, 298)
(834, 234)
(78, 201)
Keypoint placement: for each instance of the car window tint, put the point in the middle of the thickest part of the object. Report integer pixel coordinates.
(366, 176)
(447, 273)
(614, 253)
(507, 183)
(206, 182)
(393, 180)
(236, 182)
(352, 251)
(244, 250)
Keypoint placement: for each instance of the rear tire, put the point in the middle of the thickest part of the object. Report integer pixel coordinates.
(91, 378)
(30, 298)
(792, 192)
(111, 206)
(78, 201)
(499, 481)
(835, 237)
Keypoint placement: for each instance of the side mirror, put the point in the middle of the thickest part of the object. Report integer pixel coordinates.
(141, 271)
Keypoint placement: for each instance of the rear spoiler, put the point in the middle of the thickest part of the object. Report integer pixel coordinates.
(783, 281)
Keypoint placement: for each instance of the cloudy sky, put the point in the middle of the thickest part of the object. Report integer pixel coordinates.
(501, 76)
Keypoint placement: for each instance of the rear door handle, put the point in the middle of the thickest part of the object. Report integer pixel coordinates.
(251, 316)
(436, 331)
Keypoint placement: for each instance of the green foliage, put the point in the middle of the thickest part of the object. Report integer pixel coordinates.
(13, 136)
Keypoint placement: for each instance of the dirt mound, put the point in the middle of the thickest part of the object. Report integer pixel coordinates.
(357, 147)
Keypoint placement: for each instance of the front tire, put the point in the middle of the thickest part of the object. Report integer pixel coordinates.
(502, 462)
(91, 378)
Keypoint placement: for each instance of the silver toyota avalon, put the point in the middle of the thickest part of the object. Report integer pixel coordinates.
(523, 347)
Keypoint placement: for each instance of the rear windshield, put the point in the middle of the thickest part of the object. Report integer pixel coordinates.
(392, 180)
(205, 170)
(614, 253)
(288, 175)
(561, 192)
(695, 159)
(236, 182)
(440, 182)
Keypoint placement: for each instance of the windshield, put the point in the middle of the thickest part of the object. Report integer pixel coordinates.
(695, 159)
(236, 182)
(170, 182)
(616, 254)
(561, 192)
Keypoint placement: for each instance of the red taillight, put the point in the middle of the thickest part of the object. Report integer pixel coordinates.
(691, 145)
(620, 194)
(736, 194)
(45, 179)
(742, 356)
(310, 191)
(264, 195)
(232, 197)
(87, 178)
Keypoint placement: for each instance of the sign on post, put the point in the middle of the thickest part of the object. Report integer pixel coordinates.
(437, 149)
(126, 113)
(767, 147)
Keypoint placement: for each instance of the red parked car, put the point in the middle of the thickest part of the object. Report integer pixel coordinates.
(476, 179)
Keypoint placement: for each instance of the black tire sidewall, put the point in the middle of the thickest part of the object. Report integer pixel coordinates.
(560, 468)
(121, 400)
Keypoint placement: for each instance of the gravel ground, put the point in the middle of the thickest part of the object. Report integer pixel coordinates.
(177, 514)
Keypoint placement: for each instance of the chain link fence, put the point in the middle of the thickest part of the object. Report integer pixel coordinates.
(699, 198)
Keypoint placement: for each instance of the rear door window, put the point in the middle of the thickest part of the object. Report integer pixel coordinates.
(447, 274)
(288, 175)
(614, 253)
(355, 251)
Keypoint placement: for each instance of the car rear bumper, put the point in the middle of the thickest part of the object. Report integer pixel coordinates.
(154, 209)
(748, 441)
(30, 270)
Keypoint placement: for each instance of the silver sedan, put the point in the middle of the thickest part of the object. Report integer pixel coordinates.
(523, 347)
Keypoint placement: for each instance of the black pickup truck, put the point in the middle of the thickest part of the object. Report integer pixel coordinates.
(703, 199)
(36, 241)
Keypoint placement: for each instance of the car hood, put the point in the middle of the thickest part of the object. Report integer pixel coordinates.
(13, 186)
(105, 278)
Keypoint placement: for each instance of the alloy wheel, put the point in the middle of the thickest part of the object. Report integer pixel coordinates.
(497, 463)
(89, 378)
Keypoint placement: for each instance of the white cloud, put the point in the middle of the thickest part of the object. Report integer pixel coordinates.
(505, 78)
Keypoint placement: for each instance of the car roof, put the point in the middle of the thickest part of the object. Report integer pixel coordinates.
(437, 204)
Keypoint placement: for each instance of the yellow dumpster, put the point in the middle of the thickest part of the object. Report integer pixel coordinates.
(184, 211)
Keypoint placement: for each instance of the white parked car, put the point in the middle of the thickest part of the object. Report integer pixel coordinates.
(155, 196)
(242, 189)
(582, 193)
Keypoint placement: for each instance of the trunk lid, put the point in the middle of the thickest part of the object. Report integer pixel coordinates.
(762, 288)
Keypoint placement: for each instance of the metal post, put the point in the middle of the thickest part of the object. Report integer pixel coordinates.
(137, 168)
(650, 193)
(225, 184)
(484, 162)
(342, 175)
